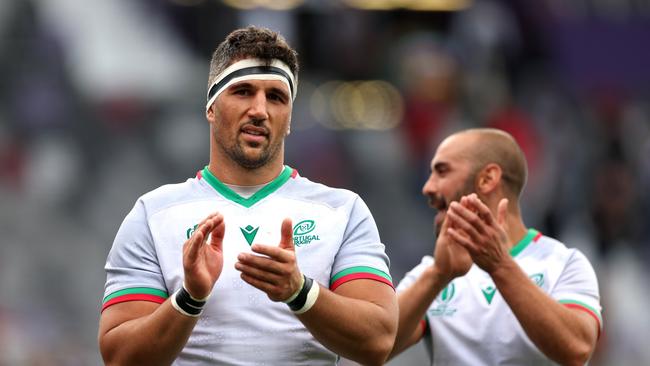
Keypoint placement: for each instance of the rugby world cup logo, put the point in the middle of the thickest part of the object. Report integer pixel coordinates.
(442, 307)
(447, 294)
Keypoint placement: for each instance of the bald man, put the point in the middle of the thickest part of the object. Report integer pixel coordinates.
(497, 292)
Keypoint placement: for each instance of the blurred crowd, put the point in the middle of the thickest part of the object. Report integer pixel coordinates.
(102, 101)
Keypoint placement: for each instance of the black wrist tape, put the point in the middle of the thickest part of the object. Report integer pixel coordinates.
(300, 300)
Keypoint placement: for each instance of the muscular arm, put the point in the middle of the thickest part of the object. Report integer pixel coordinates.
(451, 261)
(567, 336)
(413, 304)
(357, 321)
(141, 332)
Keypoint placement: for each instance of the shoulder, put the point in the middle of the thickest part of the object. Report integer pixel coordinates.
(170, 195)
(559, 258)
(552, 247)
(302, 188)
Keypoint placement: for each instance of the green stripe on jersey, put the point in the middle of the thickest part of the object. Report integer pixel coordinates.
(361, 269)
(231, 195)
(580, 303)
(138, 291)
(523, 243)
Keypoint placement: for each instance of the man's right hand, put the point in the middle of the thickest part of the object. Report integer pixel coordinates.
(203, 260)
(451, 259)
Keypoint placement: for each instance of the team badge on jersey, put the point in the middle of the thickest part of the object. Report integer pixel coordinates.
(443, 300)
(303, 233)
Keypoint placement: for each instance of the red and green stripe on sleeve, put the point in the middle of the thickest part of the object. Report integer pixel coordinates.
(357, 273)
(574, 304)
(135, 294)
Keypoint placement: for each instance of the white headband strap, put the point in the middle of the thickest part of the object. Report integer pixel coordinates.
(251, 69)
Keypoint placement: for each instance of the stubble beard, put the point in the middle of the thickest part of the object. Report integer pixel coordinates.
(237, 154)
(468, 188)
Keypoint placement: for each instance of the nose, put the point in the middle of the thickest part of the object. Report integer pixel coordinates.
(258, 108)
(429, 188)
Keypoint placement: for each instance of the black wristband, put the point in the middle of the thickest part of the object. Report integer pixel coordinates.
(188, 305)
(299, 301)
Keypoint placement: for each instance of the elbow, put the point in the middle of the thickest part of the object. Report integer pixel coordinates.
(110, 354)
(578, 356)
(378, 351)
(580, 359)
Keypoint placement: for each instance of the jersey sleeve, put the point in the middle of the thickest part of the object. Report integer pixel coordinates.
(132, 269)
(577, 287)
(361, 255)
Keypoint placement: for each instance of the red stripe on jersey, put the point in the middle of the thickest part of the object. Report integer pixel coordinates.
(588, 311)
(294, 173)
(536, 238)
(360, 276)
(133, 297)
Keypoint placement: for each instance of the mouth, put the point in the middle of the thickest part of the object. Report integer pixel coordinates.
(438, 202)
(254, 134)
(254, 130)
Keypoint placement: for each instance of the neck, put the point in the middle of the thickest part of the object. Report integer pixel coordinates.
(236, 175)
(230, 172)
(515, 228)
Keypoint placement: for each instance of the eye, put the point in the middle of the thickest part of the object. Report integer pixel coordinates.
(276, 97)
(242, 91)
(441, 170)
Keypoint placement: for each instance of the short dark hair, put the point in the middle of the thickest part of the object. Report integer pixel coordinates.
(499, 147)
(252, 42)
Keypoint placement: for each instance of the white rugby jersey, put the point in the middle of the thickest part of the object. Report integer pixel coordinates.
(469, 323)
(336, 241)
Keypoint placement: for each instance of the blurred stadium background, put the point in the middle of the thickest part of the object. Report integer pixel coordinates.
(101, 101)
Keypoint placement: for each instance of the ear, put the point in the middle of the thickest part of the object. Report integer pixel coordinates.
(209, 114)
(489, 178)
(288, 126)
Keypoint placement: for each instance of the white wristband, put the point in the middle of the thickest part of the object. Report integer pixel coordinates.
(186, 304)
(295, 294)
(311, 298)
(179, 309)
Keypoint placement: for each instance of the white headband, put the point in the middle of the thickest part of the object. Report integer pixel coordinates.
(251, 69)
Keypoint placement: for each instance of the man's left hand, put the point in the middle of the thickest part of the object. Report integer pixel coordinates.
(276, 270)
(484, 237)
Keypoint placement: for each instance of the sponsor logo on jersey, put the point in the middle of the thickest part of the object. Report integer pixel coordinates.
(303, 233)
(489, 292)
(249, 233)
(443, 300)
(191, 230)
